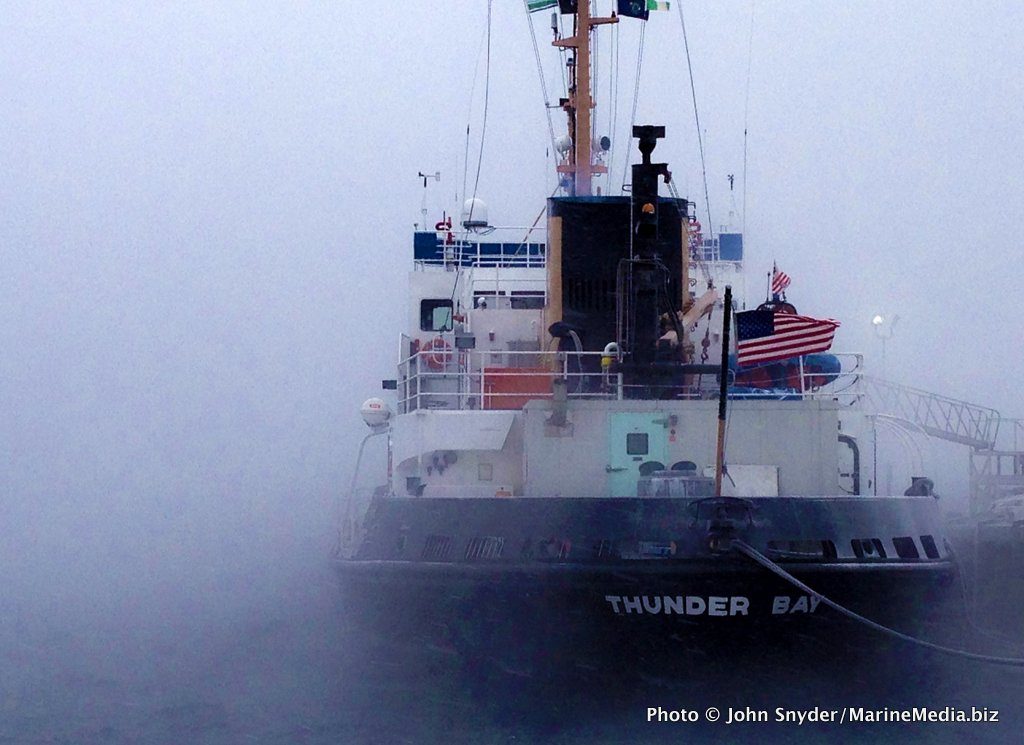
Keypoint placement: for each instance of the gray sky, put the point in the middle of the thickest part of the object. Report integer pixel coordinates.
(205, 217)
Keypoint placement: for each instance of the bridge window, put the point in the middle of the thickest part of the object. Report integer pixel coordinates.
(436, 315)
(527, 300)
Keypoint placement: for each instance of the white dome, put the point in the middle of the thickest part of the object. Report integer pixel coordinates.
(474, 213)
(375, 412)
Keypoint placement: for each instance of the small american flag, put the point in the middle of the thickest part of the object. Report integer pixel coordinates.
(780, 280)
(763, 336)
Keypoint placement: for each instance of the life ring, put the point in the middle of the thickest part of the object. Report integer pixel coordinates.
(436, 353)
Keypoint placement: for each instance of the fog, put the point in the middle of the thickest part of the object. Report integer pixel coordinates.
(205, 217)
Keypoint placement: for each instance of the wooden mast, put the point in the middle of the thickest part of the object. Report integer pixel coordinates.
(723, 391)
(580, 165)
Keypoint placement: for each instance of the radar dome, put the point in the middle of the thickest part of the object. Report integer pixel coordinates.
(375, 413)
(474, 213)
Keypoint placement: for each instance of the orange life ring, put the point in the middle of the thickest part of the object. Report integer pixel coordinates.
(436, 353)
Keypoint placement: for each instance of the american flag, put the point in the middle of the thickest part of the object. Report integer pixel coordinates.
(763, 336)
(780, 280)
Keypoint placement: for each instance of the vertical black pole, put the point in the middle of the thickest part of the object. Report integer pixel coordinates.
(723, 391)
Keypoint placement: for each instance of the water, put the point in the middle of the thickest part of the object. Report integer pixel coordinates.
(287, 667)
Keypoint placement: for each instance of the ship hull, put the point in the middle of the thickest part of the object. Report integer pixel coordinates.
(549, 623)
(671, 597)
(547, 601)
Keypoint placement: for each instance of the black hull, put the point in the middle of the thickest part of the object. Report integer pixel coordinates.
(622, 613)
(630, 577)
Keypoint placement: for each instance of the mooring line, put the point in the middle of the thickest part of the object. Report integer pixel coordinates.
(757, 556)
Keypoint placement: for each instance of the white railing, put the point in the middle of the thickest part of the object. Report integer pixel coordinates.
(939, 416)
(469, 379)
(846, 386)
(506, 247)
(454, 379)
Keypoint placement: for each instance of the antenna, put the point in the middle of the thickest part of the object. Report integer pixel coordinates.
(579, 167)
(423, 203)
(436, 176)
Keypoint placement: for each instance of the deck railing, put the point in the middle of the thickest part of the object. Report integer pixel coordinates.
(505, 247)
(454, 379)
(468, 379)
(939, 416)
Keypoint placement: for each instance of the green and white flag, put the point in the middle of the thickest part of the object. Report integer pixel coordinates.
(657, 5)
(534, 5)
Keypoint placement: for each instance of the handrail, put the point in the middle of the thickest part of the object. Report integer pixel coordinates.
(506, 379)
(940, 416)
(467, 248)
(485, 379)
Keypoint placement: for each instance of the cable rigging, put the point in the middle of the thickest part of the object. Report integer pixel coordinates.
(613, 98)
(483, 134)
(543, 82)
(469, 113)
(636, 96)
(746, 109)
(483, 125)
(696, 116)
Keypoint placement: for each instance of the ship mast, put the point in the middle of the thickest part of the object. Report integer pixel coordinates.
(579, 165)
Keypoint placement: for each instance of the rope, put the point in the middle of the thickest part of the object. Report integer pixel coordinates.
(771, 566)
(487, 98)
(469, 113)
(696, 116)
(526, 238)
(543, 82)
(746, 109)
(480, 155)
(595, 67)
(613, 98)
(636, 95)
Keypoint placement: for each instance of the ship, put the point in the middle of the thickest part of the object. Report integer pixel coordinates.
(577, 451)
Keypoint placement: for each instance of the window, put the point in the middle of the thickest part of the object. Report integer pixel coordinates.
(436, 315)
(636, 443)
(526, 300)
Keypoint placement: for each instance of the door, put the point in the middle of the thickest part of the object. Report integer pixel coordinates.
(634, 439)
